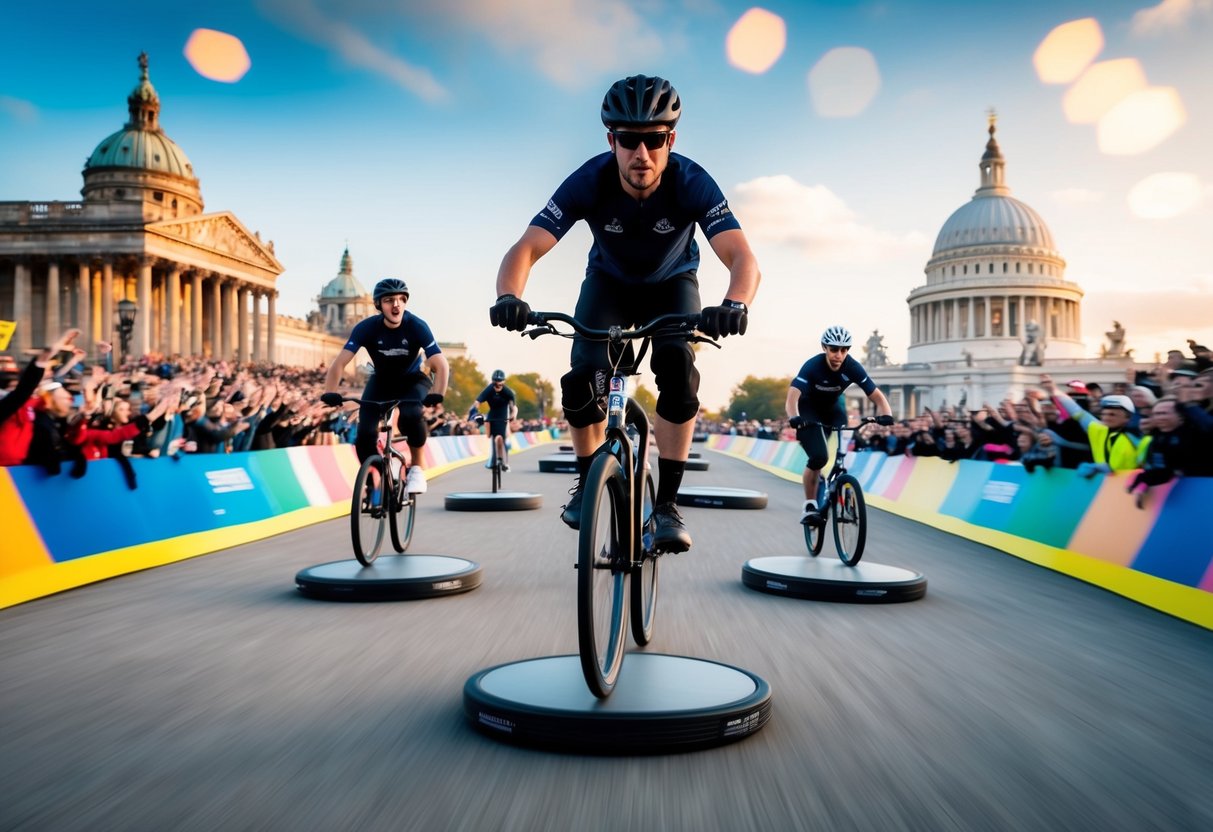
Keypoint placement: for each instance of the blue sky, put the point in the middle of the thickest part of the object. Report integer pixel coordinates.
(426, 135)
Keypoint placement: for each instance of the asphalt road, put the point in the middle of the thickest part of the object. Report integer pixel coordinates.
(210, 695)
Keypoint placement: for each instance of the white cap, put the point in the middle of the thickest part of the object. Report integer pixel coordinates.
(1123, 402)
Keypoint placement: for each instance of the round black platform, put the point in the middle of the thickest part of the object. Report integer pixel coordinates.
(717, 497)
(661, 703)
(490, 501)
(559, 464)
(697, 465)
(390, 578)
(826, 578)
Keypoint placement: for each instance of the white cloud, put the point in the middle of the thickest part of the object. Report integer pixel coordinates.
(310, 21)
(1076, 196)
(18, 109)
(1169, 14)
(813, 219)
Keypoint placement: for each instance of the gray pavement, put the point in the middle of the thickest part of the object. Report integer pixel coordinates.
(210, 695)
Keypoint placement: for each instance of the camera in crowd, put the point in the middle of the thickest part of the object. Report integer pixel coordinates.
(1034, 459)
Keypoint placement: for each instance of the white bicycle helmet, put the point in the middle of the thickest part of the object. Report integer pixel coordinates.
(836, 336)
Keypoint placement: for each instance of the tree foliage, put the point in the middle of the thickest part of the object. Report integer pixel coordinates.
(758, 398)
(465, 384)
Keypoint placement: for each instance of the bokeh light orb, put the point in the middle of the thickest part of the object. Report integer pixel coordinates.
(756, 41)
(844, 82)
(1141, 121)
(1162, 196)
(1068, 50)
(1102, 87)
(217, 55)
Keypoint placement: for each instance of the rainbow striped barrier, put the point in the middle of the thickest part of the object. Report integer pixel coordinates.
(1090, 529)
(61, 533)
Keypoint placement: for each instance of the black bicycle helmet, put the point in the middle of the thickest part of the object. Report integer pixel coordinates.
(836, 336)
(498, 375)
(390, 286)
(641, 100)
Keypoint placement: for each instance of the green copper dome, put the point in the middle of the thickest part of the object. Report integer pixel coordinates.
(344, 285)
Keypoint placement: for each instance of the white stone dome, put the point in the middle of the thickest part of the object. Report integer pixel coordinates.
(993, 219)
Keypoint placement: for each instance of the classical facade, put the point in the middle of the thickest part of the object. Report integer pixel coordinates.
(996, 310)
(343, 301)
(203, 284)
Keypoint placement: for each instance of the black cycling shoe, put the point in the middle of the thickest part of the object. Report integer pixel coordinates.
(670, 534)
(571, 515)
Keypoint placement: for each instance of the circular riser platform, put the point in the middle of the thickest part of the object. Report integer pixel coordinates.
(558, 464)
(828, 579)
(661, 704)
(489, 501)
(718, 497)
(389, 578)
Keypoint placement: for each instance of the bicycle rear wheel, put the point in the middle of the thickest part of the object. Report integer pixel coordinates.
(367, 514)
(850, 520)
(602, 572)
(643, 590)
(404, 510)
(815, 534)
(496, 473)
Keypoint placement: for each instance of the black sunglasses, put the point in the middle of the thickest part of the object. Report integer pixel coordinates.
(631, 141)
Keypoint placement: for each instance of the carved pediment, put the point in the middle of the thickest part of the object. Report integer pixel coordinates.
(222, 234)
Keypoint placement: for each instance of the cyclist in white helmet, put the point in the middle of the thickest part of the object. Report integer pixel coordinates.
(815, 404)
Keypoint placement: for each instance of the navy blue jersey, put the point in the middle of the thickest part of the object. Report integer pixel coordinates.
(394, 352)
(821, 388)
(646, 241)
(498, 402)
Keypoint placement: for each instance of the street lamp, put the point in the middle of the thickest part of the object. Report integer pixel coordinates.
(127, 310)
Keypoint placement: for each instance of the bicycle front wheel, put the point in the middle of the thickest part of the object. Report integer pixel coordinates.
(815, 533)
(602, 572)
(496, 473)
(850, 520)
(367, 511)
(643, 591)
(404, 510)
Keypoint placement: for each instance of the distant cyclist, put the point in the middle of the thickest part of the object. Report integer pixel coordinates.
(641, 202)
(503, 408)
(816, 395)
(398, 342)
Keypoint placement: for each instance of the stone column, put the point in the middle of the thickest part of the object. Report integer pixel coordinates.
(196, 314)
(143, 320)
(242, 332)
(83, 317)
(172, 303)
(23, 313)
(271, 327)
(257, 351)
(229, 318)
(971, 332)
(216, 316)
(53, 301)
(107, 304)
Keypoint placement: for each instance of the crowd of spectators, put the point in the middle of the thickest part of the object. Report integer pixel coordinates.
(61, 412)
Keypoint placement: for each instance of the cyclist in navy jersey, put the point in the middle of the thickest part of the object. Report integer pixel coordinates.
(502, 410)
(397, 342)
(641, 202)
(816, 395)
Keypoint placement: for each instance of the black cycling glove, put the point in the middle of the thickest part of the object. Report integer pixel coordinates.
(796, 422)
(730, 318)
(432, 399)
(886, 421)
(509, 312)
(332, 399)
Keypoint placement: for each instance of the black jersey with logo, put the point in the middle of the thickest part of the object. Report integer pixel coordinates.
(644, 241)
(394, 352)
(821, 388)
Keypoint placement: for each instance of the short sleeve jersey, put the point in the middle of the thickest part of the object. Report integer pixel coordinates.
(498, 402)
(639, 241)
(821, 388)
(394, 352)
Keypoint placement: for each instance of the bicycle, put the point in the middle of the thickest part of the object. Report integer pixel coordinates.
(841, 498)
(375, 505)
(617, 574)
(496, 463)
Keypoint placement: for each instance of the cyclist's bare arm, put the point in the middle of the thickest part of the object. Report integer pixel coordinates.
(792, 406)
(882, 404)
(516, 265)
(442, 372)
(333, 377)
(734, 251)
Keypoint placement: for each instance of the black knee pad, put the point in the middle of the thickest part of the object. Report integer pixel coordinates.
(579, 395)
(412, 424)
(677, 380)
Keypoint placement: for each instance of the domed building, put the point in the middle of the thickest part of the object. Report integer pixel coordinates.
(141, 234)
(995, 312)
(343, 301)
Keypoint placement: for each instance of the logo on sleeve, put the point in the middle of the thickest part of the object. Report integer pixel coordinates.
(663, 226)
(719, 210)
(554, 209)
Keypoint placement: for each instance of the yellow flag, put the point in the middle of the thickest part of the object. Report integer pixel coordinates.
(6, 333)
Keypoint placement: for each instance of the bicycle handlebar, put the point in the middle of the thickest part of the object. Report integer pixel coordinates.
(865, 420)
(675, 323)
(389, 403)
